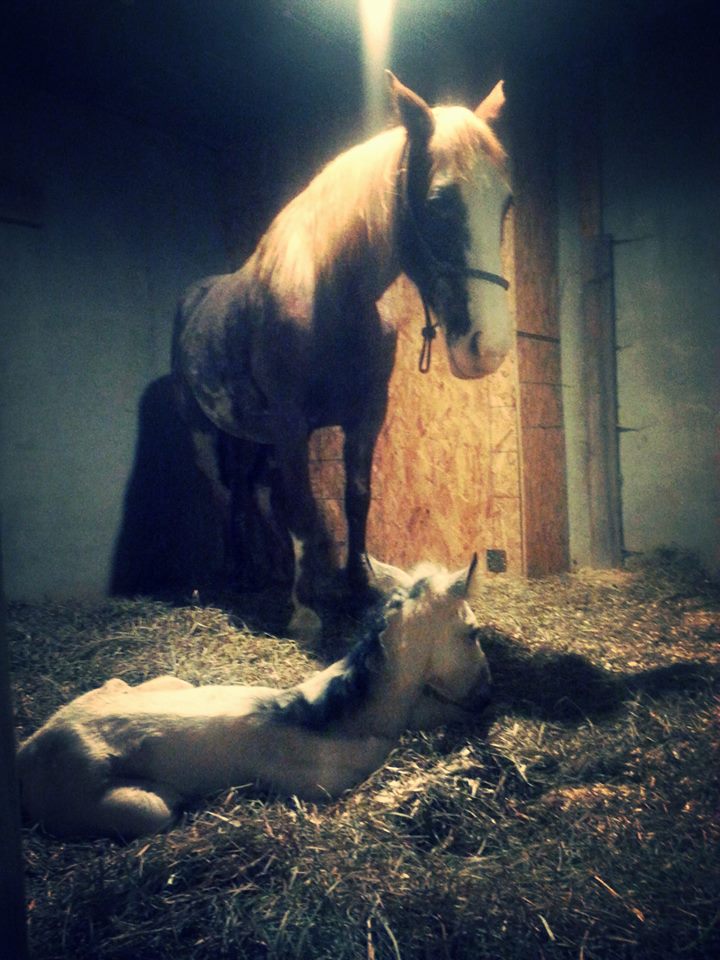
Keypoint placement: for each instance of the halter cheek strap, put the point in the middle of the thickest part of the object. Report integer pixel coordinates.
(429, 331)
(434, 268)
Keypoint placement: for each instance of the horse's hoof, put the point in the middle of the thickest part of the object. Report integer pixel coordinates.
(305, 625)
(361, 597)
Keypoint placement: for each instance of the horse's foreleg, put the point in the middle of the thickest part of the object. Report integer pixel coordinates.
(358, 454)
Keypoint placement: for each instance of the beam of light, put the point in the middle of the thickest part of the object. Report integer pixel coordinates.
(376, 21)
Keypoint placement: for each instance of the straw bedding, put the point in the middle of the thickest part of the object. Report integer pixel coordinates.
(583, 823)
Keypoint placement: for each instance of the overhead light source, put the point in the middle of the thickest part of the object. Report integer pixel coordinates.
(376, 18)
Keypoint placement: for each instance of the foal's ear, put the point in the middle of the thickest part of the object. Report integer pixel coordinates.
(415, 114)
(491, 107)
(465, 580)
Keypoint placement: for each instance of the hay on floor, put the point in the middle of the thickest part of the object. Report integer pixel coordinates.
(584, 826)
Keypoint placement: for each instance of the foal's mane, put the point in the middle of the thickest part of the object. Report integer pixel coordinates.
(344, 692)
(351, 205)
(349, 689)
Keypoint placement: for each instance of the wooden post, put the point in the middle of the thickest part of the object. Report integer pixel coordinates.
(12, 889)
(598, 383)
(532, 150)
(598, 377)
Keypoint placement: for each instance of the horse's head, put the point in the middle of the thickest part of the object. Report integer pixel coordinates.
(453, 198)
(434, 638)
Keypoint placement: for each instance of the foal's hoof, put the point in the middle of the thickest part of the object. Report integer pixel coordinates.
(305, 625)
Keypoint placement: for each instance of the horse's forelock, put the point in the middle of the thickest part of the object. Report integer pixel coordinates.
(458, 139)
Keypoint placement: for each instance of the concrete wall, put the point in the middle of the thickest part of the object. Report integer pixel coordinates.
(122, 218)
(661, 205)
(663, 209)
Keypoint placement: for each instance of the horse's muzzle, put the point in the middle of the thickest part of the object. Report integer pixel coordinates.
(469, 360)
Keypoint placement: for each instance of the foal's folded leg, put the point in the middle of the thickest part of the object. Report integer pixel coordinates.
(133, 808)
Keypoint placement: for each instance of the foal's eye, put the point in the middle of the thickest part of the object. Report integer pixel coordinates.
(473, 637)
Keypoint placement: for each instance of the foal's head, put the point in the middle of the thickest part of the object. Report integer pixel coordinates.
(452, 206)
(433, 638)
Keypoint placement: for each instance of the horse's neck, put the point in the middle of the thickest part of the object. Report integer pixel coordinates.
(396, 694)
(341, 229)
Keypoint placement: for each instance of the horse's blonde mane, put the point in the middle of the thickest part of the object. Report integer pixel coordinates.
(350, 206)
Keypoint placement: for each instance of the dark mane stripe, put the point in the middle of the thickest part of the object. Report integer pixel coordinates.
(343, 693)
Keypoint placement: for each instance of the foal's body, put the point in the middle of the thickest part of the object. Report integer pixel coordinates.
(122, 760)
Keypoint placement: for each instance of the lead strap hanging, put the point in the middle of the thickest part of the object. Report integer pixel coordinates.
(429, 332)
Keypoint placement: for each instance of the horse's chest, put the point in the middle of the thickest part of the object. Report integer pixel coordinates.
(334, 392)
(350, 376)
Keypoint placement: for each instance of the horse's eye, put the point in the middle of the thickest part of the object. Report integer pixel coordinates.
(473, 637)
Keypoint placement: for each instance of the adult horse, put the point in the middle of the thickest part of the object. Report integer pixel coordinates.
(122, 760)
(293, 341)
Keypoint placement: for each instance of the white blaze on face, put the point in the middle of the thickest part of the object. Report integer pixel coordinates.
(481, 351)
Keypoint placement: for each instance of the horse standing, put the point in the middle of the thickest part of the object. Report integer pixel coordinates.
(121, 760)
(293, 341)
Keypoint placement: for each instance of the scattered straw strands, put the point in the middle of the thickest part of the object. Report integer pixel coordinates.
(584, 826)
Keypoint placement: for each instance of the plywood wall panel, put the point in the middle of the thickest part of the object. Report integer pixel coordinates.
(436, 467)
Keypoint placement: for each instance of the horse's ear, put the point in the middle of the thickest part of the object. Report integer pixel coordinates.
(415, 114)
(465, 580)
(491, 107)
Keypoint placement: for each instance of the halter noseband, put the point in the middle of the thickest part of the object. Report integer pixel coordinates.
(429, 331)
(435, 268)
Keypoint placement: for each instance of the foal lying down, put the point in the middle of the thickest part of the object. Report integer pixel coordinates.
(122, 760)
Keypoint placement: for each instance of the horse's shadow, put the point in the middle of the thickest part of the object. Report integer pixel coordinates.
(169, 539)
(170, 542)
(568, 688)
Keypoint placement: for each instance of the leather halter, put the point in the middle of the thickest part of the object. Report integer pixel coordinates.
(431, 265)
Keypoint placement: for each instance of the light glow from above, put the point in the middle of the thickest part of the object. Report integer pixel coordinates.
(376, 18)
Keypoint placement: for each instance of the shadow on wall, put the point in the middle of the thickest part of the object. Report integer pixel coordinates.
(170, 538)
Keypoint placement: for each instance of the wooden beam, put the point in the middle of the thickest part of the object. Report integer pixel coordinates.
(598, 376)
(599, 401)
(532, 150)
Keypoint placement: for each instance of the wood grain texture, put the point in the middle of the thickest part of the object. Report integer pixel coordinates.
(446, 470)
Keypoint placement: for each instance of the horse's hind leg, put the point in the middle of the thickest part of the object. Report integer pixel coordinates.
(205, 439)
(263, 544)
(133, 808)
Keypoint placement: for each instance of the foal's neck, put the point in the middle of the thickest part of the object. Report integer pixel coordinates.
(391, 697)
(366, 694)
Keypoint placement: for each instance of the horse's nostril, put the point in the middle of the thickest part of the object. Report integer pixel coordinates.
(475, 344)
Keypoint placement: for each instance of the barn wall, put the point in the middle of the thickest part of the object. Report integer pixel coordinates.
(112, 220)
(660, 206)
(446, 473)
